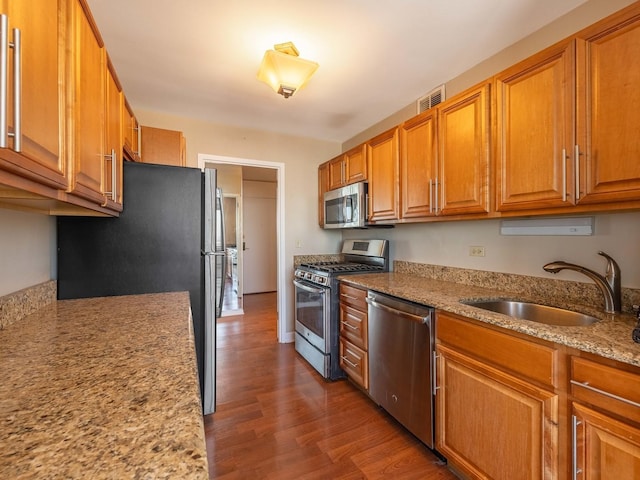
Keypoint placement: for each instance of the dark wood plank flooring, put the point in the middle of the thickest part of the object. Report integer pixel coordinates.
(276, 418)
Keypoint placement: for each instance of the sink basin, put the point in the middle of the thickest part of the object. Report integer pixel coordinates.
(535, 312)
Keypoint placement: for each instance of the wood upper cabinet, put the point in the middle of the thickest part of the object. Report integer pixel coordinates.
(87, 94)
(40, 156)
(605, 438)
(464, 152)
(384, 176)
(498, 416)
(608, 109)
(166, 147)
(130, 134)
(113, 140)
(534, 131)
(418, 165)
(349, 167)
(323, 186)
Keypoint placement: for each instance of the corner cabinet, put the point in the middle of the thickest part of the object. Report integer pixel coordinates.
(498, 412)
(36, 163)
(384, 177)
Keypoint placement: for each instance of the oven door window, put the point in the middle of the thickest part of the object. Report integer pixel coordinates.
(310, 306)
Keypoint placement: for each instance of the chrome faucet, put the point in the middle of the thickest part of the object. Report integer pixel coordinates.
(609, 284)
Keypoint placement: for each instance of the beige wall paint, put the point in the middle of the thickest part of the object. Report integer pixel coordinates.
(579, 18)
(447, 243)
(27, 250)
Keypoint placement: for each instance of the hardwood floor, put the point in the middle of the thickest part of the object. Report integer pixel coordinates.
(276, 418)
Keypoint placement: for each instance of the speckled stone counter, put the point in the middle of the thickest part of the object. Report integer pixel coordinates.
(102, 388)
(610, 337)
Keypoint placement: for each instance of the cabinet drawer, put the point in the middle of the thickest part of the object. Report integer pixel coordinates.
(354, 326)
(606, 387)
(527, 359)
(353, 296)
(355, 362)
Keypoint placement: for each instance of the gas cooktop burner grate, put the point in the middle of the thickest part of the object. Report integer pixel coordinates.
(337, 267)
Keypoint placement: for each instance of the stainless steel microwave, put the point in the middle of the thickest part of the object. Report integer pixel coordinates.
(346, 207)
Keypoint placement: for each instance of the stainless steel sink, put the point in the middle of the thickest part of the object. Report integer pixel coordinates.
(535, 312)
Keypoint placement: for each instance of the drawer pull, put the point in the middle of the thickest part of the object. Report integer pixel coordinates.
(349, 326)
(350, 297)
(351, 364)
(605, 393)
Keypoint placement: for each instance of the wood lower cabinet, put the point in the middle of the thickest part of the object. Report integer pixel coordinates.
(605, 420)
(37, 163)
(497, 412)
(166, 147)
(384, 177)
(354, 340)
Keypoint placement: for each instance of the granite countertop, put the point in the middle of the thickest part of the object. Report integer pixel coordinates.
(610, 337)
(102, 388)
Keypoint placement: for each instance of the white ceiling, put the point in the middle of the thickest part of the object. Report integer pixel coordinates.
(199, 58)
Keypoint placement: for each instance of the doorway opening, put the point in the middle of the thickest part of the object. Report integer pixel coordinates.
(254, 171)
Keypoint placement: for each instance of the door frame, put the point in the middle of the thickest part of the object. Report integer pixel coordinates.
(203, 159)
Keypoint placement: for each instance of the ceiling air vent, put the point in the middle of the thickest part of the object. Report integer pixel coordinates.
(431, 99)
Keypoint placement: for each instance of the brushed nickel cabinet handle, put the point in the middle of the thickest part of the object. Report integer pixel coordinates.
(575, 471)
(349, 326)
(564, 174)
(4, 48)
(17, 87)
(605, 393)
(577, 160)
(351, 364)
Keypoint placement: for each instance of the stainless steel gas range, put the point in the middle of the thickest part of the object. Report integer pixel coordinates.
(317, 301)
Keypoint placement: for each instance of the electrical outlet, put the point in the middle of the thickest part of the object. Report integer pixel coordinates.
(476, 251)
(298, 243)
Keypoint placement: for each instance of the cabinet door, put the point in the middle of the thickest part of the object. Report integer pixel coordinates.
(113, 141)
(463, 139)
(493, 425)
(418, 155)
(42, 25)
(534, 132)
(336, 172)
(130, 130)
(356, 164)
(162, 146)
(604, 448)
(608, 109)
(384, 173)
(88, 89)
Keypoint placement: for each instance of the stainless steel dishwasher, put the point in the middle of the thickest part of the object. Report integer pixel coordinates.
(401, 342)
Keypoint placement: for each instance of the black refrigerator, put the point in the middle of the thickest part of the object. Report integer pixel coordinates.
(169, 237)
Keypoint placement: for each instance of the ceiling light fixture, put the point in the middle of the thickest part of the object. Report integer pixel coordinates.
(284, 71)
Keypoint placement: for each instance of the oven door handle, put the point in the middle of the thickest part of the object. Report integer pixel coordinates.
(307, 288)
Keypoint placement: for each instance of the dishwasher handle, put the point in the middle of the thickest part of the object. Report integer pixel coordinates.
(395, 311)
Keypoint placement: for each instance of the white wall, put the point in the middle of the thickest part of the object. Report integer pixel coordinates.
(27, 250)
(447, 243)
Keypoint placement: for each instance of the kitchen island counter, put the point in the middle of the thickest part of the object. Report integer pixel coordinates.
(610, 337)
(102, 388)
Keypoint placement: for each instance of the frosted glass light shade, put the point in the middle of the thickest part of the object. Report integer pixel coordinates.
(285, 73)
